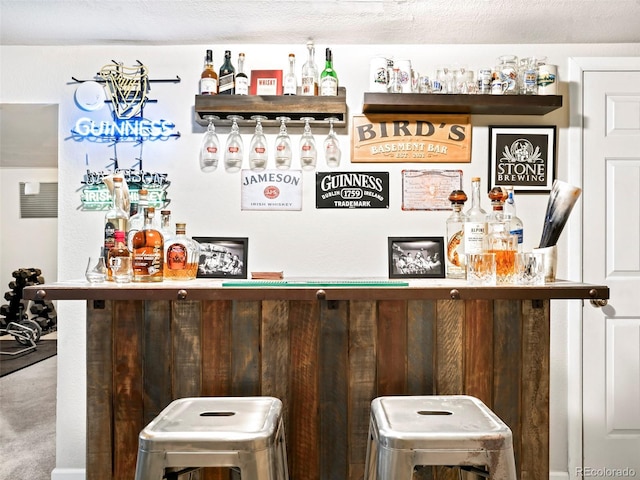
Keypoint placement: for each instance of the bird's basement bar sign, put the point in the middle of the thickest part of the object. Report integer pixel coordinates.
(411, 138)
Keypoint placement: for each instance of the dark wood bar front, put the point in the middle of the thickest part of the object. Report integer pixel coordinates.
(326, 352)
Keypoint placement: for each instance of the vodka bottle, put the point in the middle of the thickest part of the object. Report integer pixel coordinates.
(290, 81)
(456, 264)
(516, 226)
(328, 77)
(242, 81)
(310, 73)
(475, 225)
(227, 77)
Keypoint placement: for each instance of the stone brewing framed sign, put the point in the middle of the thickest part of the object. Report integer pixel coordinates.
(522, 156)
(411, 138)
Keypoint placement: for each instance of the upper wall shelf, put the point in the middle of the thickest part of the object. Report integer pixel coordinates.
(460, 103)
(272, 106)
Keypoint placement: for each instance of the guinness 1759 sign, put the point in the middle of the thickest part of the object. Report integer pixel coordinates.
(411, 138)
(352, 190)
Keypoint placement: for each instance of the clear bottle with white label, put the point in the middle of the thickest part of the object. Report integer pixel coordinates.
(516, 227)
(290, 86)
(242, 81)
(475, 225)
(309, 80)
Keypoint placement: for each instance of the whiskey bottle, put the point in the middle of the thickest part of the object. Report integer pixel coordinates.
(328, 77)
(226, 79)
(309, 78)
(456, 261)
(242, 81)
(136, 222)
(181, 256)
(497, 196)
(114, 255)
(209, 77)
(116, 217)
(475, 225)
(148, 251)
(516, 226)
(290, 82)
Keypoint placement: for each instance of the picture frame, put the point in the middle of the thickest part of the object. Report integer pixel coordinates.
(416, 257)
(523, 157)
(222, 257)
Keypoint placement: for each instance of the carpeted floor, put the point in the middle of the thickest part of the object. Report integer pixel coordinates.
(28, 421)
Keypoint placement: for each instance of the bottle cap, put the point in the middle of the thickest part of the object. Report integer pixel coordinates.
(458, 196)
(497, 195)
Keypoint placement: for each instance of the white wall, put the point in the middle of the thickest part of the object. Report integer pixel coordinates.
(25, 242)
(307, 243)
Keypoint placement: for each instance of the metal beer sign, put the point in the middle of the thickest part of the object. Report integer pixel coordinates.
(411, 138)
(352, 190)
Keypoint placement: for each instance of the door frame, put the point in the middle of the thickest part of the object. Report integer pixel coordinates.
(577, 68)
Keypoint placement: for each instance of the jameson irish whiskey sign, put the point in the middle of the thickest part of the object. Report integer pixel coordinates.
(352, 190)
(271, 190)
(411, 138)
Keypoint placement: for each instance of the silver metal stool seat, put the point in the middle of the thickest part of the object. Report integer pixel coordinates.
(453, 430)
(243, 432)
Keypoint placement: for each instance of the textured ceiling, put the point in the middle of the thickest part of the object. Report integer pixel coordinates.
(175, 22)
(90, 22)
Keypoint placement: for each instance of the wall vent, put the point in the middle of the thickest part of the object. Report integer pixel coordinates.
(43, 204)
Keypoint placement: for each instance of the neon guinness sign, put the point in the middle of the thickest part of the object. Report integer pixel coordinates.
(135, 129)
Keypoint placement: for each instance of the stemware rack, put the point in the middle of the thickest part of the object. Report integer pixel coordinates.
(296, 107)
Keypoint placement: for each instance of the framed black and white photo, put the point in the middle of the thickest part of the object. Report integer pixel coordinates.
(416, 257)
(222, 257)
(522, 156)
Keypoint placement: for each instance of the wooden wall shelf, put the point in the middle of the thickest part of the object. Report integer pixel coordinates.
(273, 106)
(459, 103)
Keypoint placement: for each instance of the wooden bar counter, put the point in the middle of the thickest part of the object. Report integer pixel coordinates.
(326, 350)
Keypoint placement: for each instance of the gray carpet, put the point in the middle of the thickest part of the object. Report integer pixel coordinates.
(27, 422)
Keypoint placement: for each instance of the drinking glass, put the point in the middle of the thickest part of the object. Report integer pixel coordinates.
(96, 271)
(308, 151)
(258, 155)
(283, 149)
(530, 268)
(481, 269)
(121, 269)
(332, 153)
(210, 147)
(234, 150)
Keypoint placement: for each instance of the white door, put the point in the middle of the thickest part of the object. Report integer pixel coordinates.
(611, 256)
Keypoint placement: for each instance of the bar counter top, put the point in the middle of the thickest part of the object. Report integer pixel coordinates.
(312, 289)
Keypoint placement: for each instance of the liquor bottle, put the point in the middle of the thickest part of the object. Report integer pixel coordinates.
(136, 222)
(118, 251)
(497, 196)
(209, 77)
(504, 246)
(226, 79)
(456, 264)
(290, 80)
(165, 223)
(328, 77)
(242, 81)
(516, 226)
(475, 225)
(309, 78)
(148, 251)
(181, 256)
(116, 217)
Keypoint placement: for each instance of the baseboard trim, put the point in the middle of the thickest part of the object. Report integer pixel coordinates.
(68, 474)
(558, 475)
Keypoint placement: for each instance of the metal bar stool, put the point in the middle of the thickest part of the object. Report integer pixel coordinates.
(455, 430)
(242, 432)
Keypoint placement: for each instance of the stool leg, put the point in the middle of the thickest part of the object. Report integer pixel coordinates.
(503, 466)
(370, 470)
(394, 464)
(149, 466)
(256, 465)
